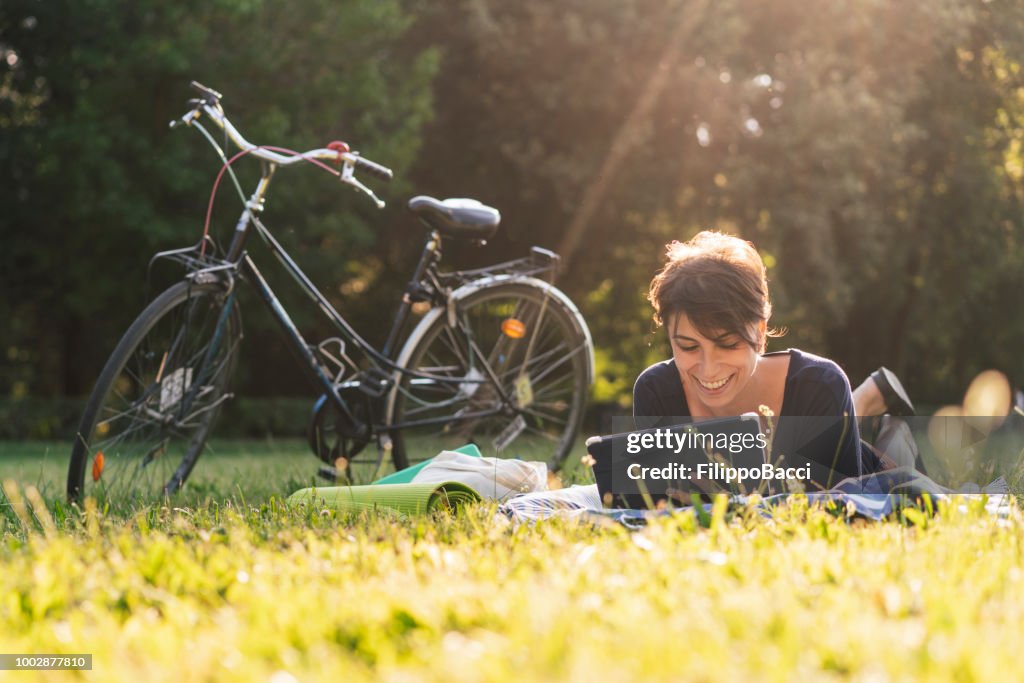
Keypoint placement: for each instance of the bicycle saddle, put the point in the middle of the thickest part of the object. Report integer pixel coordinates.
(462, 218)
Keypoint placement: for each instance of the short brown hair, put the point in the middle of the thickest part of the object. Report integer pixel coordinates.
(719, 281)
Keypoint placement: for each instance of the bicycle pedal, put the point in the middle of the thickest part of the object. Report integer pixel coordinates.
(374, 382)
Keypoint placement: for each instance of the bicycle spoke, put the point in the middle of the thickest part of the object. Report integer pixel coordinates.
(542, 433)
(453, 346)
(125, 433)
(535, 362)
(206, 409)
(131, 412)
(554, 390)
(544, 416)
(153, 452)
(561, 361)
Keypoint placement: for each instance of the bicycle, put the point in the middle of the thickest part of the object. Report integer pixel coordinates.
(502, 356)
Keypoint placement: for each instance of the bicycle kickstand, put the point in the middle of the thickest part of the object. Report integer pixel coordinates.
(384, 446)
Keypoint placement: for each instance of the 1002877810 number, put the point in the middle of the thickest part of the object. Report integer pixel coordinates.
(501, 357)
(47, 662)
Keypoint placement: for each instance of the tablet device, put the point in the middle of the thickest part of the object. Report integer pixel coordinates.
(683, 463)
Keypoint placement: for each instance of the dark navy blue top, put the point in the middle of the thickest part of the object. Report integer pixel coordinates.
(815, 423)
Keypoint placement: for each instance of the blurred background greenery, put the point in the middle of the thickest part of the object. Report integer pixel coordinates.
(871, 149)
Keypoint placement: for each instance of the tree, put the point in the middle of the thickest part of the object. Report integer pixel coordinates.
(95, 182)
(871, 150)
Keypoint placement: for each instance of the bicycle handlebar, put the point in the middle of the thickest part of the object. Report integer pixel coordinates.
(209, 104)
(210, 95)
(374, 169)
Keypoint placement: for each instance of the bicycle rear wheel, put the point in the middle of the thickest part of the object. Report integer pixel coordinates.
(517, 333)
(147, 419)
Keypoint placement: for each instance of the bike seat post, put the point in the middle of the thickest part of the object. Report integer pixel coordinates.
(414, 291)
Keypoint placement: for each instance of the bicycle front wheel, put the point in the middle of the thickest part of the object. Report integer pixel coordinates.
(507, 368)
(147, 419)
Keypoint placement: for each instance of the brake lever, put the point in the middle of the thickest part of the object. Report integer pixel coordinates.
(348, 176)
(185, 120)
(188, 118)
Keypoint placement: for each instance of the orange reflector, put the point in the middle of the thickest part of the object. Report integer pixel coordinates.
(97, 466)
(513, 328)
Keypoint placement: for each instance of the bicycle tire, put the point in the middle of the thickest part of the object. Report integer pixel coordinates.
(339, 443)
(146, 422)
(554, 353)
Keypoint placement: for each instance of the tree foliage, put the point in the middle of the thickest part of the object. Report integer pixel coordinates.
(870, 149)
(96, 182)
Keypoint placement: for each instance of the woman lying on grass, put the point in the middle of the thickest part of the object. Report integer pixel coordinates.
(712, 298)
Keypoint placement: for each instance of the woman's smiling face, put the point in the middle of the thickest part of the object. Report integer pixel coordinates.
(714, 371)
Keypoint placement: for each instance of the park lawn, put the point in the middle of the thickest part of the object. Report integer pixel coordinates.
(246, 470)
(253, 469)
(228, 590)
(225, 582)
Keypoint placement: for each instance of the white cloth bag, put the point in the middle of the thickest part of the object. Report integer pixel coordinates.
(493, 478)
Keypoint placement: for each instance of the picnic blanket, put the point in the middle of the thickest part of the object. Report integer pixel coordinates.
(873, 496)
(866, 506)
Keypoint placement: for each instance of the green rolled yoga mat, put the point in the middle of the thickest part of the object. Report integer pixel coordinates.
(407, 499)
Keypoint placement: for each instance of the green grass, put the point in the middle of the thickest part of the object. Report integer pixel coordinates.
(250, 471)
(243, 588)
(257, 469)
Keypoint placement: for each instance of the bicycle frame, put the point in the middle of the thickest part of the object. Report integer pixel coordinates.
(426, 284)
